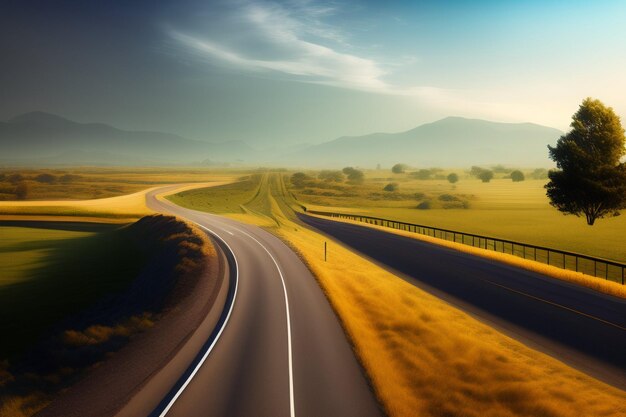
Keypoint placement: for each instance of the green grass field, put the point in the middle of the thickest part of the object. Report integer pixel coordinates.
(49, 271)
(222, 199)
(504, 209)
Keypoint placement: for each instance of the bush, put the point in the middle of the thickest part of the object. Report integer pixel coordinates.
(424, 205)
(419, 196)
(21, 191)
(459, 204)
(422, 174)
(517, 176)
(399, 168)
(355, 176)
(392, 186)
(448, 197)
(46, 178)
(331, 176)
(485, 175)
(452, 178)
(299, 179)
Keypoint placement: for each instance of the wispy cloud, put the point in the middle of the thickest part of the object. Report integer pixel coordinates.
(292, 39)
(268, 37)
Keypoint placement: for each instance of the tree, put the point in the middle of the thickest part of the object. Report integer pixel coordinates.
(298, 179)
(21, 191)
(485, 175)
(392, 186)
(354, 175)
(331, 176)
(452, 178)
(589, 179)
(399, 168)
(475, 171)
(517, 176)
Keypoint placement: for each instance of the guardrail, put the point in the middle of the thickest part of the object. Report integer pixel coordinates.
(597, 267)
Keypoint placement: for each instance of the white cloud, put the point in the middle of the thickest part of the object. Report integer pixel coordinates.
(293, 40)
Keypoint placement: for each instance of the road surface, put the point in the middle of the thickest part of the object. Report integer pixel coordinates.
(282, 351)
(578, 326)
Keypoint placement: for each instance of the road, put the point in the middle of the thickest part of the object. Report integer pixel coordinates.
(576, 325)
(282, 351)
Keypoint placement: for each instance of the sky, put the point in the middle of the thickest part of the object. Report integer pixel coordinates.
(281, 73)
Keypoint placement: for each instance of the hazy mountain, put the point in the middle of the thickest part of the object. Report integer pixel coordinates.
(42, 138)
(453, 141)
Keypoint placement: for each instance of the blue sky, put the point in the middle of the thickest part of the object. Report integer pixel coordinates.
(284, 72)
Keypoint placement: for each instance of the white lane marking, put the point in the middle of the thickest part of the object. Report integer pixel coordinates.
(217, 337)
(292, 407)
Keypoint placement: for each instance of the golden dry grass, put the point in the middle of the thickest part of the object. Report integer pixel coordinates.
(426, 358)
(123, 208)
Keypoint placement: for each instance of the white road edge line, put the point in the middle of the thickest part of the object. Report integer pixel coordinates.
(292, 406)
(206, 354)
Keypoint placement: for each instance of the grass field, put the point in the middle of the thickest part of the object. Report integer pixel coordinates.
(92, 183)
(424, 357)
(503, 209)
(123, 208)
(48, 272)
(73, 293)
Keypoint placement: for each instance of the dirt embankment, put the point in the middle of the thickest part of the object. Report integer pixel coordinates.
(93, 362)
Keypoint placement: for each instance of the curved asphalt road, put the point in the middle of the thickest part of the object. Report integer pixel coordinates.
(283, 351)
(581, 327)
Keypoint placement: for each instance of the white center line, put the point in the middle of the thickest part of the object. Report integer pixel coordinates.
(292, 407)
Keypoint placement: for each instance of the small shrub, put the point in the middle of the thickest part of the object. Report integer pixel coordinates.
(422, 174)
(448, 197)
(459, 204)
(331, 176)
(399, 168)
(485, 175)
(424, 205)
(453, 178)
(517, 176)
(419, 196)
(299, 179)
(355, 176)
(392, 186)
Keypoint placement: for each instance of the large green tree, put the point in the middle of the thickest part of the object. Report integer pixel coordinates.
(590, 179)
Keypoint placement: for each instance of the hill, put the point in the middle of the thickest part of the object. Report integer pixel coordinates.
(453, 141)
(43, 138)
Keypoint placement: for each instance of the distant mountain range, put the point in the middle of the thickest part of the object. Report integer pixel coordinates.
(450, 142)
(43, 138)
(39, 138)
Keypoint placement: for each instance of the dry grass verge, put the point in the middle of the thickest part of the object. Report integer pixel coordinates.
(428, 359)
